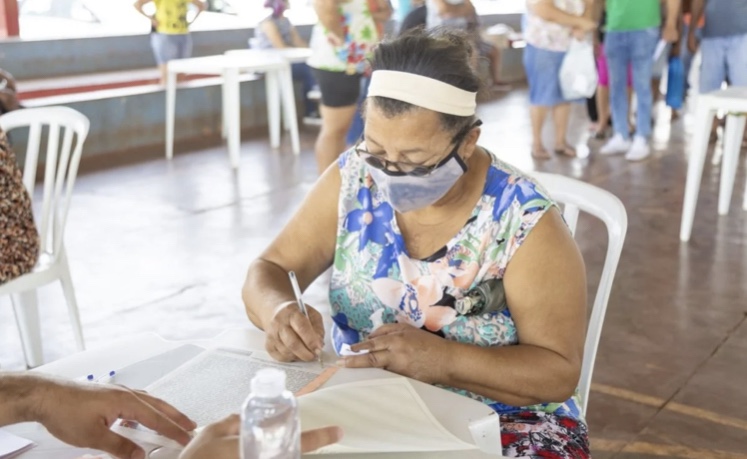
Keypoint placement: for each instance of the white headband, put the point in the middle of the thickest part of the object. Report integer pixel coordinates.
(423, 91)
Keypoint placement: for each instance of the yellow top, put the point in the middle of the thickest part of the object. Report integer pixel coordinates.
(172, 16)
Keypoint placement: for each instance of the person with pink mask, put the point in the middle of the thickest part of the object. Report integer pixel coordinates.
(277, 32)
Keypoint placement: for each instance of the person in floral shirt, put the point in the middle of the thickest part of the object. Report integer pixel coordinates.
(341, 44)
(414, 221)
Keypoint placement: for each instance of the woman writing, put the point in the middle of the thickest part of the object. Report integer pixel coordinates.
(416, 218)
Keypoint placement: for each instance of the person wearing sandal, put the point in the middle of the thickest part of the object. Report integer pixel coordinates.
(550, 25)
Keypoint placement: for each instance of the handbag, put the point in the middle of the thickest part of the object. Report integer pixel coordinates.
(675, 83)
(578, 72)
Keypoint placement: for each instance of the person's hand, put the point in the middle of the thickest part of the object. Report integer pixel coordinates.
(291, 336)
(81, 415)
(221, 440)
(335, 40)
(402, 349)
(585, 25)
(579, 34)
(312, 440)
(692, 42)
(676, 49)
(670, 34)
(154, 21)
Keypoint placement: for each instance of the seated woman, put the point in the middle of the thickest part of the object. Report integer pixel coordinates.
(276, 32)
(19, 238)
(419, 224)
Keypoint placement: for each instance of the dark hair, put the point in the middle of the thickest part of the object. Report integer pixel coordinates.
(440, 54)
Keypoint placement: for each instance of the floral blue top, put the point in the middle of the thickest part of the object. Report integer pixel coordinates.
(375, 281)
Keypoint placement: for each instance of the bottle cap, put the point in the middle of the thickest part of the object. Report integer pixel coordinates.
(268, 382)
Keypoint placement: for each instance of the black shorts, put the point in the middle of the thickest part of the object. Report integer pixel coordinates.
(338, 89)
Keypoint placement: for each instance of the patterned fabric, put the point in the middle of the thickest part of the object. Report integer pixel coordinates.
(543, 436)
(549, 35)
(19, 240)
(374, 281)
(172, 16)
(360, 37)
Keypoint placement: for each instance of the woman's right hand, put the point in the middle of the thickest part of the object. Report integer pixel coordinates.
(292, 336)
(335, 40)
(692, 42)
(585, 24)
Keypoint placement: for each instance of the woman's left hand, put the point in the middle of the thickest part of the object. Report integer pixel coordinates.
(579, 34)
(402, 349)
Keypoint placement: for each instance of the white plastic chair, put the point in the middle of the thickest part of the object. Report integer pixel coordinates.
(732, 100)
(60, 170)
(576, 196)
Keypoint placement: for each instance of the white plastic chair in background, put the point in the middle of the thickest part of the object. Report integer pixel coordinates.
(733, 101)
(60, 171)
(576, 196)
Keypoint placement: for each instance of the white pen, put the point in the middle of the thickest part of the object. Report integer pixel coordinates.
(301, 304)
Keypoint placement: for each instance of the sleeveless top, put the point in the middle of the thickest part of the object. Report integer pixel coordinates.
(172, 16)
(360, 37)
(375, 281)
(284, 27)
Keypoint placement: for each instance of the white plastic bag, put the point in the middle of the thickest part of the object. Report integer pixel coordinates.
(578, 73)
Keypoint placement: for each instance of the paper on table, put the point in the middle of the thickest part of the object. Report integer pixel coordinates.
(377, 416)
(214, 385)
(13, 445)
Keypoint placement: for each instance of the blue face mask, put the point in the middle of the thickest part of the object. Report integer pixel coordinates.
(406, 193)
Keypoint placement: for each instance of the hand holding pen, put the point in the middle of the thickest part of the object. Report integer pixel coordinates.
(302, 307)
(293, 334)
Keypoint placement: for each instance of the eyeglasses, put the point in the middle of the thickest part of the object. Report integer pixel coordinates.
(415, 170)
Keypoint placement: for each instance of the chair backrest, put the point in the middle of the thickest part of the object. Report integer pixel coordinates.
(576, 196)
(61, 164)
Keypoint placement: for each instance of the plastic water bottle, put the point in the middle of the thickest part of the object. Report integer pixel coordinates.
(270, 426)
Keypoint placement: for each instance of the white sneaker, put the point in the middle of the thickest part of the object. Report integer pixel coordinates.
(617, 144)
(639, 150)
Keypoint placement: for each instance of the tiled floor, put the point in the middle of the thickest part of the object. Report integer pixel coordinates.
(164, 247)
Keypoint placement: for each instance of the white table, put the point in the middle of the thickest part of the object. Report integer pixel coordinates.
(278, 86)
(291, 55)
(451, 410)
